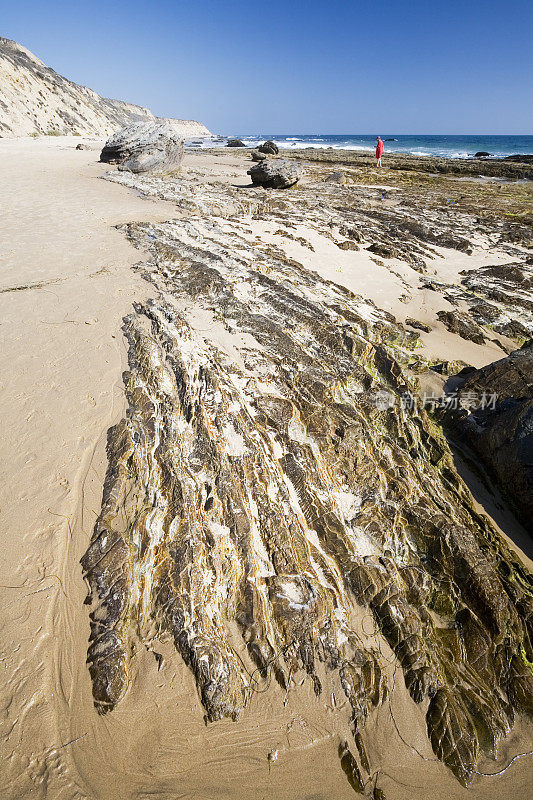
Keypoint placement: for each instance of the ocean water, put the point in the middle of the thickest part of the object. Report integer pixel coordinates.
(445, 146)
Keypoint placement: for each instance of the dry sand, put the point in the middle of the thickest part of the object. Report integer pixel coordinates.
(62, 356)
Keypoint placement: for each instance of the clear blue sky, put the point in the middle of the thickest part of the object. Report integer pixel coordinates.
(321, 66)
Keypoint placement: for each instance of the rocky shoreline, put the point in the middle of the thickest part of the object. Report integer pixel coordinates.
(513, 167)
(496, 168)
(274, 469)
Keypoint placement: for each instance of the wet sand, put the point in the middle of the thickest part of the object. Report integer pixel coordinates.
(61, 364)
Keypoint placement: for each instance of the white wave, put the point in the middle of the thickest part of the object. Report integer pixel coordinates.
(323, 143)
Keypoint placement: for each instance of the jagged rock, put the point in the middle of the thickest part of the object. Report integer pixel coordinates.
(455, 367)
(351, 233)
(481, 154)
(507, 290)
(257, 156)
(499, 297)
(351, 769)
(462, 324)
(82, 146)
(383, 250)
(501, 432)
(348, 244)
(452, 735)
(278, 174)
(144, 147)
(269, 147)
(419, 326)
(235, 143)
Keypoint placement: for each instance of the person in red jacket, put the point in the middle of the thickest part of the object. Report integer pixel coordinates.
(379, 151)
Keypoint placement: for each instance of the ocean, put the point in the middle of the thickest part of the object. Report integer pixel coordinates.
(420, 145)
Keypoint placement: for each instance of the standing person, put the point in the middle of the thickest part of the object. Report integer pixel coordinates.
(379, 150)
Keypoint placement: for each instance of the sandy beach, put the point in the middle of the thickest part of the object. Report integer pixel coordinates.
(71, 243)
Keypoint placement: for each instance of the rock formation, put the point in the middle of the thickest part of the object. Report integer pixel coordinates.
(500, 430)
(257, 156)
(514, 167)
(269, 147)
(36, 100)
(235, 143)
(268, 486)
(462, 324)
(144, 147)
(278, 174)
(336, 177)
(498, 298)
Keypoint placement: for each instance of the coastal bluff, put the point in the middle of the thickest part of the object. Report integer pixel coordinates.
(35, 100)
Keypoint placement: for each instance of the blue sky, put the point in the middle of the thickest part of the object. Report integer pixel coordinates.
(319, 66)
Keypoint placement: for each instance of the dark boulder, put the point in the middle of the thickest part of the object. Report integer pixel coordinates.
(269, 147)
(481, 154)
(235, 143)
(499, 425)
(152, 146)
(277, 174)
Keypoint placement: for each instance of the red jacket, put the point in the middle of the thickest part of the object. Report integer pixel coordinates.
(379, 149)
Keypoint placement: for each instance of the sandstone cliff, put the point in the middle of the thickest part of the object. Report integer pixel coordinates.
(34, 99)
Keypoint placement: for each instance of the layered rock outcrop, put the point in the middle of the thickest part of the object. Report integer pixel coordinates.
(267, 486)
